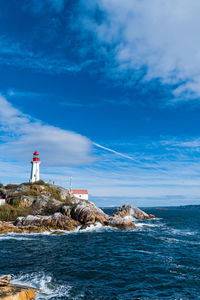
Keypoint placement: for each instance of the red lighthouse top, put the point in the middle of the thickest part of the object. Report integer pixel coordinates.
(35, 156)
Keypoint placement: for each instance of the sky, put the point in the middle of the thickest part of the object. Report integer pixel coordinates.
(107, 92)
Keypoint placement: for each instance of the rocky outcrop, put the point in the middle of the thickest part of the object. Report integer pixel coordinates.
(6, 227)
(119, 222)
(16, 292)
(87, 212)
(128, 210)
(64, 193)
(5, 280)
(56, 221)
(40, 207)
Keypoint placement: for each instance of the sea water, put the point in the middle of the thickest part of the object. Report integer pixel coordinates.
(160, 259)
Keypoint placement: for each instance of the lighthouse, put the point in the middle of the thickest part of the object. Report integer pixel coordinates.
(35, 168)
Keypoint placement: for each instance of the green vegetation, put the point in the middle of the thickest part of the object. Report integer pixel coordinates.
(12, 186)
(10, 213)
(55, 194)
(39, 182)
(16, 200)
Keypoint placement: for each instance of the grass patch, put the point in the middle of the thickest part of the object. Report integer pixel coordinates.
(39, 182)
(12, 186)
(10, 213)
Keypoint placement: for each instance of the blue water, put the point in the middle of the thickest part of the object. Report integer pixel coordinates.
(160, 259)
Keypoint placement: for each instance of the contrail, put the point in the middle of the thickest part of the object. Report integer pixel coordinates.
(113, 151)
(127, 156)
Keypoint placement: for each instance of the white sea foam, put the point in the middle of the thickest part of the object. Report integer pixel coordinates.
(14, 236)
(183, 232)
(146, 224)
(49, 289)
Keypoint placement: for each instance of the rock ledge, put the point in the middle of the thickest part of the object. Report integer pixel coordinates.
(16, 292)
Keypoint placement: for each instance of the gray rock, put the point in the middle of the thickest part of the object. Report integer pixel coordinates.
(66, 210)
(119, 222)
(21, 188)
(133, 211)
(86, 212)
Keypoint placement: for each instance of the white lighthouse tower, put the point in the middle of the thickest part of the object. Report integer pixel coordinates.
(35, 168)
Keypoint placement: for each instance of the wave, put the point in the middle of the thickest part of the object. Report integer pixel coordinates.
(14, 236)
(45, 283)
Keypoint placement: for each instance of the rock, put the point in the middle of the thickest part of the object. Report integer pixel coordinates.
(66, 210)
(57, 232)
(64, 193)
(86, 212)
(26, 201)
(129, 210)
(74, 201)
(16, 292)
(56, 221)
(6, 227)
(2, 193)
(44, 205)
(119, 222)
(5, 280)
(21, 188)
(85, 226)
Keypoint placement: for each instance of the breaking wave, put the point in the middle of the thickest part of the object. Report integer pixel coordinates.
(47, 287)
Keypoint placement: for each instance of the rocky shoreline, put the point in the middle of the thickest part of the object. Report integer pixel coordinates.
(46, 207)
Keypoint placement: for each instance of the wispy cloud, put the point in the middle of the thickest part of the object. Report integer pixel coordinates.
(20, 135)
(143, 41)
(16, 54)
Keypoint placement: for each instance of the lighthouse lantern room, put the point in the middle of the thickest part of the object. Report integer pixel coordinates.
(35, 168)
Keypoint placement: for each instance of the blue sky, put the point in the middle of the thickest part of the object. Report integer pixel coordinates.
(108, 92)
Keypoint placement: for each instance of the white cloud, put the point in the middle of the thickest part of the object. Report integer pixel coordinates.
(156, 39)
(21, 135)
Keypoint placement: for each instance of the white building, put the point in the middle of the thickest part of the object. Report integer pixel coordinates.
(2, 201)
(35, 169)
(81, 194)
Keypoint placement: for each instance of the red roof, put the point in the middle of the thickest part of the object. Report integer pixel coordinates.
(36, 153)
(79, 191)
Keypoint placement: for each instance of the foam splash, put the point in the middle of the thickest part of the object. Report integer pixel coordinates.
(14, 236)
(44, 282)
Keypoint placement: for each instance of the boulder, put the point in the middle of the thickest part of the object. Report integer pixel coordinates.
(128, 210)
(6, 227)
(55, 221)
(5, 280)
(44, 205)
(16, 292)
(119, 222)
(87, 212)
(57, 232)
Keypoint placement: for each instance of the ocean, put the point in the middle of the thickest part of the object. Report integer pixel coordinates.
(160, 259)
